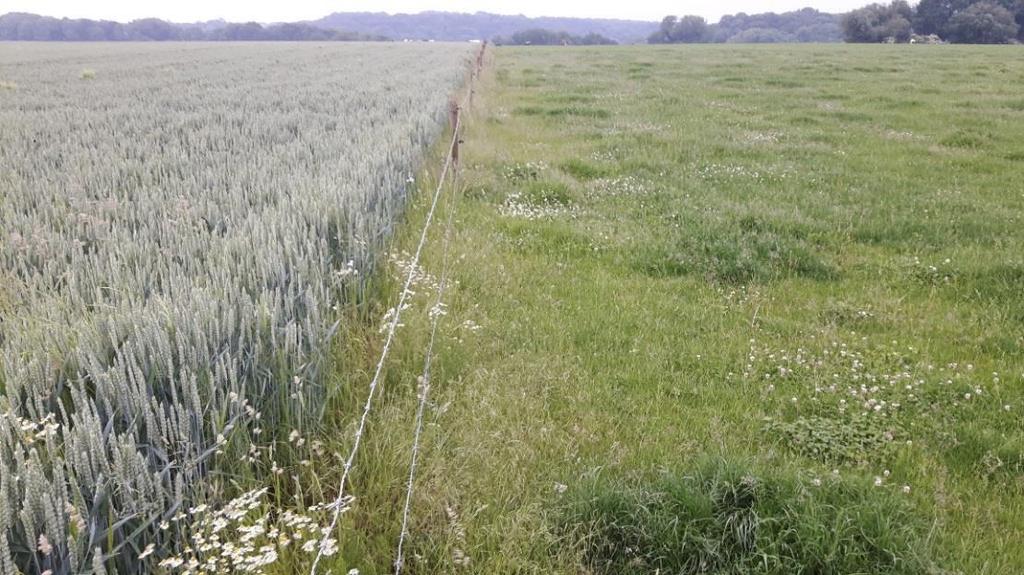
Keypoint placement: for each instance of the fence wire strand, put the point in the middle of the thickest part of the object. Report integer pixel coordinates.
(339, 504)
(436, 313)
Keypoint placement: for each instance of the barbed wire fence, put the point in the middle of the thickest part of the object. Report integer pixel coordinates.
(450, 166)
(436, 313)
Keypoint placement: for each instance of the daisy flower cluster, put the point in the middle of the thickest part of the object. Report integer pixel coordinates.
(516, 206)
(243, 536)
(629, 185)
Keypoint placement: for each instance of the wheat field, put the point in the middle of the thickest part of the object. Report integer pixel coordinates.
(178, 224)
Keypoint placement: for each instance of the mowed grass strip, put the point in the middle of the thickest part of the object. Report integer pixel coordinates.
(723, 309)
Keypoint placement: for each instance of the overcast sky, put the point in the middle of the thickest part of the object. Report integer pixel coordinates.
(290, 10)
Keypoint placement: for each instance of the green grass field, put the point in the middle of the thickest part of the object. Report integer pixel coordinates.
(723, 310)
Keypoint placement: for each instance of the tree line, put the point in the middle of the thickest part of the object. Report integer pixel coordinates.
(957, 21)
(807, 25)
(20, 26)
(544, 37)
(433, 25)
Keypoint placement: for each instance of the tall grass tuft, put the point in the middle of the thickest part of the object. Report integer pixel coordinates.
(723, 517)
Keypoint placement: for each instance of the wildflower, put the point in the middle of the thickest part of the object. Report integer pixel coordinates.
(906, 489)
(560, 488)
(878, 481)
(816, 482)
(329, 546)
(172, 562)
(147, 551)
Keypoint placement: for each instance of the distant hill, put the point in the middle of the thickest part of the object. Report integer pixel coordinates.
(478, 26)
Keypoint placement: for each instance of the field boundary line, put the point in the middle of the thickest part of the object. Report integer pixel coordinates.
(339, 503)
(436, 312)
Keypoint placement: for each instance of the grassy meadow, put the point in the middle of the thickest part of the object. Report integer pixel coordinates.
(718, 310)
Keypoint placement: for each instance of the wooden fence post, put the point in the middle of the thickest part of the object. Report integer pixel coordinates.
(453, 119)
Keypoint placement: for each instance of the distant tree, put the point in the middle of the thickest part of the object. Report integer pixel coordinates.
(1017, 7)
(761, 36)
(19, 26)
(806, 25)
(595, 39)
(982, 23)
(932, 16)
(821, 32)
(690, 29)
(879, 23)
(152, 29)
(663, 35)
(935, 16)
(538, 37)
(247, 32)
(544, 37)
(685, 30)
